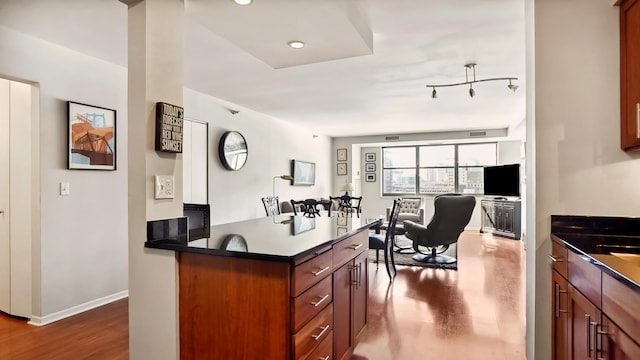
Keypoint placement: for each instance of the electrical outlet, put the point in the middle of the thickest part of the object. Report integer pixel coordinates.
(164, 187)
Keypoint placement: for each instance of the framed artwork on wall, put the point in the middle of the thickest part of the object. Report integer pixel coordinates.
(370, 157)
(342, 154)
(91, 137)
(342, 168)
(370, 177)
(370, 167)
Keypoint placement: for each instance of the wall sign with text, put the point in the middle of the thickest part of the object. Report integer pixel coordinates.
(169, 121)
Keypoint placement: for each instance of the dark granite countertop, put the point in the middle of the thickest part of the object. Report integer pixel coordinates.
(277, 238)
(611, 243)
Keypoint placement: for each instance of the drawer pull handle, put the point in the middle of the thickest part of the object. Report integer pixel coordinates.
(638, 120)
(587, 322)
(325, 358)
(316, 273)
(356, 247)
(556, 259)
(322, 299)
(324, 329)
(559, 291)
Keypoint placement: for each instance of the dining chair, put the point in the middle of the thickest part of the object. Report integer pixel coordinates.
(308, 207)
(385, 242)
(271, 205)
(346, 204)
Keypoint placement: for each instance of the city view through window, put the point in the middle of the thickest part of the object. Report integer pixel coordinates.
(436, 169)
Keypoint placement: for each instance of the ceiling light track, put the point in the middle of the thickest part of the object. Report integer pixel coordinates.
(472, 92)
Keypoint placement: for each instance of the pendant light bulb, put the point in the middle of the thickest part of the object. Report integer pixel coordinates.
(472, 92)
(512, 87)
(434, 94)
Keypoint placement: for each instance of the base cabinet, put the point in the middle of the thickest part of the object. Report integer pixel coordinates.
(560, 321)
(350, 303)
(594, 316)
(501, 217)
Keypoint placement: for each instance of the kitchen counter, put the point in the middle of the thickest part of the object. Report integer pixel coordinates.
(611, 243)
(283, 238)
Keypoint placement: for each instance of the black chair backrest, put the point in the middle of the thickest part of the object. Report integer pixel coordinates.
(271, 205)
(308, 207)
(346, 203)
(452, 213)
(393, 219)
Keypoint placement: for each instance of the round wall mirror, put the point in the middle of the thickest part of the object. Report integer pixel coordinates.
(233, 150)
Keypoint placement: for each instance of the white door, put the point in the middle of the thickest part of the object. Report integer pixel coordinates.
(5, 246)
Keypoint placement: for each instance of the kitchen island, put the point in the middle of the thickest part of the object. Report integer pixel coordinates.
(280, 287)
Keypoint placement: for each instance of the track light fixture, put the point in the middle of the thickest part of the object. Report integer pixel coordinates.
(472, 92)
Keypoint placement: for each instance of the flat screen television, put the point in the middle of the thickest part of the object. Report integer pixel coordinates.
(502, 180)
(303, 172)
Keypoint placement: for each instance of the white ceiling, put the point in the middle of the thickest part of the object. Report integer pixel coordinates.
(363, 71)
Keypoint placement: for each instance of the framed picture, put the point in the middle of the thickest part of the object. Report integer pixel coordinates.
(370, 157)
(91, 137)
(342, 168)
(370, 167)
(342, 230)
(342, 154)
(370, 177)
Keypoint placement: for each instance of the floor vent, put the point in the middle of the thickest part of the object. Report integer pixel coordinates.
(389, 138)
(477, 133)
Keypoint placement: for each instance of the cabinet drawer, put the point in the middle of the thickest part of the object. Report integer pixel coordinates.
(310, 272)
(559, 258)
(312, 334)
(620, 304)
(619, 346)
(586, 277)
(324, 350)
(310, 302)
(349, 248)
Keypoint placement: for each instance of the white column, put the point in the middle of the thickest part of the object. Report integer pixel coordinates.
(155, 75)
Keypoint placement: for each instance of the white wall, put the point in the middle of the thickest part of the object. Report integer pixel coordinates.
(579, 167)
(272, 144)
(82, 252)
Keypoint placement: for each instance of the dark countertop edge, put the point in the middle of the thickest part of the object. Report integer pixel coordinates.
(615, 274)
(180, 246)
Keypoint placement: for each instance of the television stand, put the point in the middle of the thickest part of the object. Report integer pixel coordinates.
(500, 217)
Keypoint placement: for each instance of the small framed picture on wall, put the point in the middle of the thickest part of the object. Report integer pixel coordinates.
(370, 157)
(342, 154)
(370, 177)
(370, 167)
(342, 168)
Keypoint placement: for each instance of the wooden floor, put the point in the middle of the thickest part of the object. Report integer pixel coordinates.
(476, 312)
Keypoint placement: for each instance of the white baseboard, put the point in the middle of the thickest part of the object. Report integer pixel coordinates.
(48, 319)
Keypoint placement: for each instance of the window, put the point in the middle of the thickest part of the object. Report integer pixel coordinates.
(436, 169)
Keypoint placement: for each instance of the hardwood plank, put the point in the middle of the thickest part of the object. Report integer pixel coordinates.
(476, 312)
(101, 333)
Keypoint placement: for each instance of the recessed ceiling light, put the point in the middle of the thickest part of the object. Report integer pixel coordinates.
(243, 2)
(296, 44)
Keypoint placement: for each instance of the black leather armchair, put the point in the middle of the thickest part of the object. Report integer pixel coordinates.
(452, 213)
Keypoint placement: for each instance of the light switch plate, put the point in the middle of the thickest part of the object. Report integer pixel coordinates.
(65, 188)
(164, 187)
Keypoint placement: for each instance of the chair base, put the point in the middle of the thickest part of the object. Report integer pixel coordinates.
(437, 259)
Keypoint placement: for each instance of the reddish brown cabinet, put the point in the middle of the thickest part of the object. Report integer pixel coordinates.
(350, 288)
(594, 315)
(629, 74)
(560, 318)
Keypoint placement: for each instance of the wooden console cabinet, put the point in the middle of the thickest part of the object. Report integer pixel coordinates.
(501, 217)
(629, 74)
